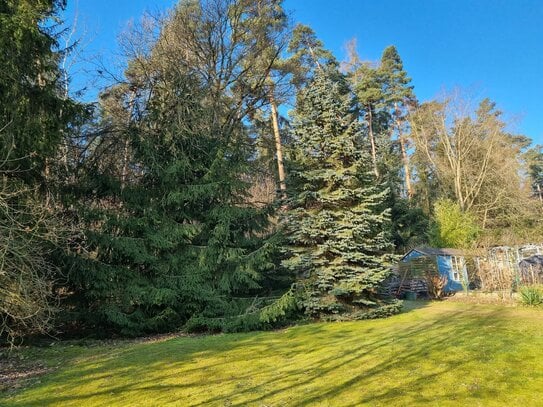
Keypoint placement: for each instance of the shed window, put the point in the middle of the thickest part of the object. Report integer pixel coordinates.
(457, 267)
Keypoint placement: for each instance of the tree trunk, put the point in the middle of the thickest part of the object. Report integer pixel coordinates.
(372, 141)
(278, 144)
(405, 158)
(124, 170)
(407, 172)
(126, 147)
(315, 59)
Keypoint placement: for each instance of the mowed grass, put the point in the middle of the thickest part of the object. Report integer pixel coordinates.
(435, 354)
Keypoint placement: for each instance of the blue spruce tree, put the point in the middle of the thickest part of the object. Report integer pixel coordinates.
(336, 222)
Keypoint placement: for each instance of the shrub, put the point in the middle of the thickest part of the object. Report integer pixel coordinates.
(28, 236)
(451, 226)
(436, 284)
(531, 295)
(392, 308)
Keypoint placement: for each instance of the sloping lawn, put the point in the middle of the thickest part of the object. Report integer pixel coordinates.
(438, 354)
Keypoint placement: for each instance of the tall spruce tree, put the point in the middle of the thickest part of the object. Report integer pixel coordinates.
(33, 114)
(336, 223)
(180, 241)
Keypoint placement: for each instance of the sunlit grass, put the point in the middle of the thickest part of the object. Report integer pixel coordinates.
(441, 354)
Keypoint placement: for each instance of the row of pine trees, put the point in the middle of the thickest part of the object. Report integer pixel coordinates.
(189, 195)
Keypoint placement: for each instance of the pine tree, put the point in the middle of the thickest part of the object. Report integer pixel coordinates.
(399, 98)
(336, 223)
(268, 26)
(369, 91)
(385, 96)
(308, 55)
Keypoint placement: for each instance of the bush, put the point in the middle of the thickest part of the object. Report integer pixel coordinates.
(436, 284)
(451, 227)
(531, 295)
(28, 236)
(386, 310)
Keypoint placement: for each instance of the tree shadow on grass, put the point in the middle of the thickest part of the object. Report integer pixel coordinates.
(353, 363)
(413, 305)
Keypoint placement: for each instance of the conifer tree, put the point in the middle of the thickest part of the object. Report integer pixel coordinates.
(268, 25)
(33, 117)
(399, 97)
(534, 161)
(308, 55)
(336, 224)
(180, 240)
(369, 90)
(385, 96)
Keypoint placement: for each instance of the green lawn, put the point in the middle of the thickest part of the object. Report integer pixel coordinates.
(439, 354)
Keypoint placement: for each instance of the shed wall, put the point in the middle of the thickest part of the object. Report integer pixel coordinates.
(444, 266)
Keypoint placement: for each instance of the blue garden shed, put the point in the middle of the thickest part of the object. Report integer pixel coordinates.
(449, 262)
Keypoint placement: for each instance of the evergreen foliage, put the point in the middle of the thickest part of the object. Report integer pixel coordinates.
(409, 226)
(397, 88)
(336, 222)
(181, 241)
(170, 186)
(384, 95)
(33, 115)
(308, 55)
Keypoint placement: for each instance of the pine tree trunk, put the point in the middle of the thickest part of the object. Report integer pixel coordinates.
(315, 59)
(405, 158)
(278, 144)
(372, 141)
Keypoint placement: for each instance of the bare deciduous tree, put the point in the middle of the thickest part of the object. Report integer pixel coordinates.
(28, 231)
(474, 158)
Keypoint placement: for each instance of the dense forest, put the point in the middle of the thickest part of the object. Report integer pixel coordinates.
(237, 177)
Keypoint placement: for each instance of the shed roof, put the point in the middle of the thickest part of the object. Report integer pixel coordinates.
(432, 251)
(536, 260)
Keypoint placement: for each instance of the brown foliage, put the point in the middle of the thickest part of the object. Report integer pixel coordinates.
(436, 284)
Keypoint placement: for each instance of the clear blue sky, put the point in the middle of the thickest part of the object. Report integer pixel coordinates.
(493, 46)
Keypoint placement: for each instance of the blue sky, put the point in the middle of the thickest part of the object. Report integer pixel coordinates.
(493, 48)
